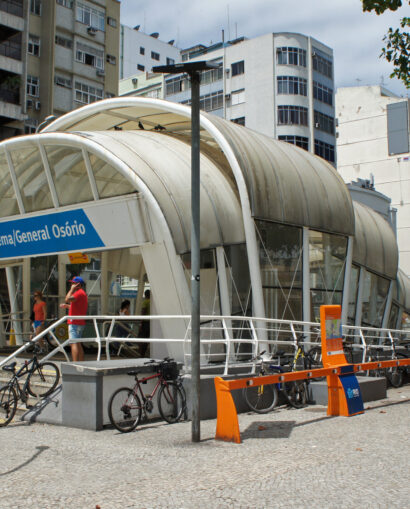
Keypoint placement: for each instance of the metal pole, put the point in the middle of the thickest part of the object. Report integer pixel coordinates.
(195, 257)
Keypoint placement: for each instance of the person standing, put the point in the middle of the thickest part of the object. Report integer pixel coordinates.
(76, 301)
(39, 315)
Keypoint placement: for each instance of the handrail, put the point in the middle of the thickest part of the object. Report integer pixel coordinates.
(223, 330)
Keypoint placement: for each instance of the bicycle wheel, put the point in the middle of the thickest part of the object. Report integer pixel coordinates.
(394, 376)
(262, 398)
(314, 361)
(296, 393)
(124, 410)
(171, 402)
(8, 404)
(43, 380)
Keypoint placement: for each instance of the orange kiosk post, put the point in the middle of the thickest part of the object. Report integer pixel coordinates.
(344, 396)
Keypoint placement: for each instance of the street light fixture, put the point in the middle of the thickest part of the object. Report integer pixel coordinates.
(193, 69)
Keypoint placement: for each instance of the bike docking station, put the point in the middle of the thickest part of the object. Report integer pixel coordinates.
(344, 395)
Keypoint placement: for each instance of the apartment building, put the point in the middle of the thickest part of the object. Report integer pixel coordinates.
(140, 51)
(280, 84)
(374, 143)
(55, 55)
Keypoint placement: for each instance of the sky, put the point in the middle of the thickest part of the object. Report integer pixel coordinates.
(355, 37)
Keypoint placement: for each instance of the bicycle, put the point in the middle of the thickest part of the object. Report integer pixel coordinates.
(264, 398)
(42, 379)
(125, 407)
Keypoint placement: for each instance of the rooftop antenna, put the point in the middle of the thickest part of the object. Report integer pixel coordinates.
(236, 30)
(229, 27)
(358, 81)
(145, 19)
(382, 80)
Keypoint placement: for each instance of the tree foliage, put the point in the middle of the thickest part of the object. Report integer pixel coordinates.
(397, 49)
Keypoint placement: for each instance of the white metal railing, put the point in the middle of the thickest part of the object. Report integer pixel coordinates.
(226, 341)
(366, 339)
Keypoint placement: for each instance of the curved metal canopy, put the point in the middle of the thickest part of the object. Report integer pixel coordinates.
(284, 183)
(403, 290)
(375, 245)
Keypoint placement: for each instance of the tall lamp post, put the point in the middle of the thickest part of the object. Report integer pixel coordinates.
(193, 69)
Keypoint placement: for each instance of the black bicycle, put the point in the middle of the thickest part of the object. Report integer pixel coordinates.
(125, 407)
(42, 379)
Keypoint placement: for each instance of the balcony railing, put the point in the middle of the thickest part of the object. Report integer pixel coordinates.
(10, 49)
(12, 7)
(9, 96)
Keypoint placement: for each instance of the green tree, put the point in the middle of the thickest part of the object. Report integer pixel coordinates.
(397, 49)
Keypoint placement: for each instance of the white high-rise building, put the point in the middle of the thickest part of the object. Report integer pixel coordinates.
(139, 52)
(281, 85)
(373, 143)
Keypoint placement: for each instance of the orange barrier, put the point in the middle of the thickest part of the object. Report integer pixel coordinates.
(227, 425)
(344, 396)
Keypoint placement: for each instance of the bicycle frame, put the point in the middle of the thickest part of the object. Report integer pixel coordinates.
(138, 382)
(24, 370)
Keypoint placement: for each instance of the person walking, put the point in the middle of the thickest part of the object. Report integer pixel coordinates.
(76, 301)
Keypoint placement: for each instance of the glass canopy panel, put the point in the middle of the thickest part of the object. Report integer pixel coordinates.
(31, 178)
(280, 254)
(353, 288)
(375, 291)
(327, 257)
(109, 181)
(8, 200)
(69, 174)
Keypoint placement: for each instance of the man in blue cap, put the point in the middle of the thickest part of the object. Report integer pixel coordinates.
(76, 301)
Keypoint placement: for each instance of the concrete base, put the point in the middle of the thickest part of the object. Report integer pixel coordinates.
(82, 401)
(372, 389)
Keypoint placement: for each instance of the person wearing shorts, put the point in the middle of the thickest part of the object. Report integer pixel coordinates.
(76, 301)
(40, 314)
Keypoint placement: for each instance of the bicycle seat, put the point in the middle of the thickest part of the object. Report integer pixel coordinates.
(132, 373)
(10, 367)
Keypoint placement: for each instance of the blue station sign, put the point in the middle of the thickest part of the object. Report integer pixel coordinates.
(49, 233)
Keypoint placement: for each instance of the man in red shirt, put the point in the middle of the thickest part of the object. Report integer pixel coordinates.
(76, 301)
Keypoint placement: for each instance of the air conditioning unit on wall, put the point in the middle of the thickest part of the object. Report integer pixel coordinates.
(91, 30)
(38, 105)
(100, 72)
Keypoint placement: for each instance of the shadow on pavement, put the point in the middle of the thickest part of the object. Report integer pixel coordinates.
(40, 449)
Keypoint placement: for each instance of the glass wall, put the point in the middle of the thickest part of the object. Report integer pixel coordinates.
(44, 277)
(353, 289)
(327, 258)
(280, 255)
(375, 289)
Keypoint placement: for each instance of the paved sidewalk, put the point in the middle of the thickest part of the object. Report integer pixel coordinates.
(288, 459)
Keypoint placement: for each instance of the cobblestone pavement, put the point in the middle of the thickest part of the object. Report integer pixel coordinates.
(288, 459)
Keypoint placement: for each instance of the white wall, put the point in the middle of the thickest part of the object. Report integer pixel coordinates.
(362, 150)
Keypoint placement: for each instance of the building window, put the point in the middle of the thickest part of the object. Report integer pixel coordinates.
(209, 102)
(111, 59)
(142, 50)
(322, 65)
(89, 56)
(63, 82)
(87, 94)
(176, 85)
(322, 93)
(109, 95)
(156, 93)
(300, 141)
(238, 68)
(238, 97)
(33, 86)
(30, 126)
(170, 61)
(34, 45)
(62, 41)
(324, 123)
(292, 85)
(325, 150)
(292, 115)
(291, 56)
(66, 3)
(211, 76)
(239, 120)
(90, 17)
(112, 22)
(35, 7)
(154, 55)
(141, 67)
